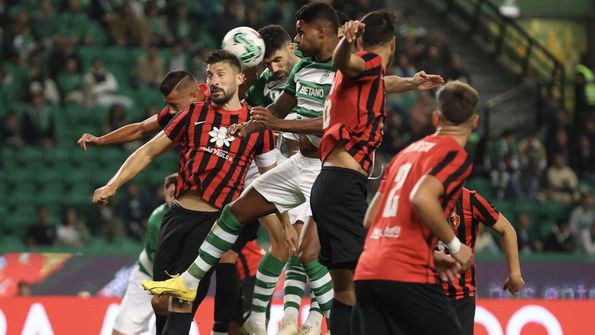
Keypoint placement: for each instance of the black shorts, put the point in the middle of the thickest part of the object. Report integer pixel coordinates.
(465, 309)
(338, 202)
(182, 231)
(248, 233)
(399, 308)
(181, 234)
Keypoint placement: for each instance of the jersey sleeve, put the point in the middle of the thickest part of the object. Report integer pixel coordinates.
(255, 95)
(176, 128)
(290, 87)
(483, 210)
(164, 117)
(373, 66)
(451, 169)
(266, 154)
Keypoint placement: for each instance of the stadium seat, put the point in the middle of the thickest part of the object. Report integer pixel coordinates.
(482, 186)
(553, 210)
(28, 156)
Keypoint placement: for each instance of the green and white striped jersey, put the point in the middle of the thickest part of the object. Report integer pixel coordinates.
(310, 83)
(145, 259)
(265, 90)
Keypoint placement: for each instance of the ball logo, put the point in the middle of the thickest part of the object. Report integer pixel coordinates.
(219, 137)
(252, 50)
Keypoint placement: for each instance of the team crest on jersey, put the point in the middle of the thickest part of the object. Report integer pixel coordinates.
(324, 77)
(454, 220)
(220, 138)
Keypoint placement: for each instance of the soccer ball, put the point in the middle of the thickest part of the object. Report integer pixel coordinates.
(246, 44)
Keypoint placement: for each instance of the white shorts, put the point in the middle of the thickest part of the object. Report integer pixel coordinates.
(289, 184)
(251, 175)
(299, 213)
(135, 309)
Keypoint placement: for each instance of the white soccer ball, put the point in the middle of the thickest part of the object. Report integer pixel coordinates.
(246, 44)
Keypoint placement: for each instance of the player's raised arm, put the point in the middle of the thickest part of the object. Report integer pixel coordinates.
(134, 165)
(421, 81)
(343, 58)
(514, 282)
(124, 134)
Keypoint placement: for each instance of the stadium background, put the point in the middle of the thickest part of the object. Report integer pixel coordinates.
(72, 257)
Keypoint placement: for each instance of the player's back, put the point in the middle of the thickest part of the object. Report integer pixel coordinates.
(399, 246)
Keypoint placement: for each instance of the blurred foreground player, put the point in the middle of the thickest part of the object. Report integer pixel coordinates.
(406, 218)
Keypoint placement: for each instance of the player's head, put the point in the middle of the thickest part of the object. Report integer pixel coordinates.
(279, 56)
(379, 31)
(224, 75)
(457, 102)
(179, 89)
(316, 21)
(169, 188)
(343, 17)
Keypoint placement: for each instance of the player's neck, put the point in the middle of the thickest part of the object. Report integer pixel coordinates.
(383, 52)
(232, 105)
(460, 135)
(327, 49)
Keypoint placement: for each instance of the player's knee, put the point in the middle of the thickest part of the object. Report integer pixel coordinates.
(347, 297)
(280, 251)
(307, 255)
(160, 304)
(229, 257)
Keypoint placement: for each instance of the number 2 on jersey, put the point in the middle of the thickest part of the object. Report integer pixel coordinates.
(392, 202)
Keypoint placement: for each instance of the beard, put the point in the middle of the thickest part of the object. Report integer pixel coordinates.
(224, 98)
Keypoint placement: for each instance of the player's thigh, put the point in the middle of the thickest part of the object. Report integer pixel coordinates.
(370, 312)
(173, 233)
(465, 309)
(273, 227)
(423, 308)
(200, 225)
(281, 185)
(309, 247)
(135, 308)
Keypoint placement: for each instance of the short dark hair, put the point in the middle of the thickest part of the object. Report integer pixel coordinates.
(457, 101)
(172, 80)
(219, 56)
(319, 11)
(343, 17)
(170, 179)
(275, 38)
(380, 28)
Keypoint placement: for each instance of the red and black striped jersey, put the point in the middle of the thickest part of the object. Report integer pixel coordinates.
(210, 161)
(165, 116)
(248, 260)
(399, 247)
(470, 210)
(354, 112)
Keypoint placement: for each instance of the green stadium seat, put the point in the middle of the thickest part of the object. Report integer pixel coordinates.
(88, 54)
(27, 156)
(531, 208)
(111, 157)
(554, 210)
(11, 243)
(20, 219)
(9, 158)
(49, 175)
(506, 208)
(51, 194)
(482, 186)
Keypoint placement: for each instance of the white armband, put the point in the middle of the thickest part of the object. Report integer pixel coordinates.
(454, 246)
(266, 159)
